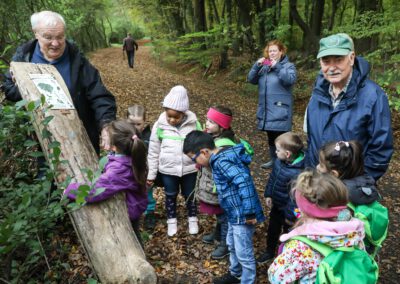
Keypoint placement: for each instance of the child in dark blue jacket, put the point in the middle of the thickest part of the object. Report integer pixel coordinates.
(287, 166)
(238, 197)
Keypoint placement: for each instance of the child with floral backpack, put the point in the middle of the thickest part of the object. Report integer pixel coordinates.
(325, 219)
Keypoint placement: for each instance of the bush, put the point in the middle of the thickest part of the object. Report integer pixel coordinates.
(29, 207)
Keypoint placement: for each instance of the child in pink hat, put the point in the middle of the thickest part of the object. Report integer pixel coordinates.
(178, 172)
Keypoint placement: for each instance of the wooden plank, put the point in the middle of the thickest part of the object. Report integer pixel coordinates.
(104, 228)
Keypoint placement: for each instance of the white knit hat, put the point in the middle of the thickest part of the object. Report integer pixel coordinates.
(177, 99)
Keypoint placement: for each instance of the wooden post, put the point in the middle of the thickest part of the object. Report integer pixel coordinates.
(103, 228)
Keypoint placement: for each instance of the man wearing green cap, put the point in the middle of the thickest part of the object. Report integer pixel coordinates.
(346, 105)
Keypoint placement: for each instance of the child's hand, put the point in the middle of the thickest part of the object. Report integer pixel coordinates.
(268, 201)
(251, 221)
(149, 182)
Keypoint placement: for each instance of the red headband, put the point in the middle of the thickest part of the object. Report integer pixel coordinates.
(219, 118)
(313, 210)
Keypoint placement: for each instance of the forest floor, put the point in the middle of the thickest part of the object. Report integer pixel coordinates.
(184, 258)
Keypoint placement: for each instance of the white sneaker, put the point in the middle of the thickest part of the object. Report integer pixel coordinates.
(172, 226)
(193, 225)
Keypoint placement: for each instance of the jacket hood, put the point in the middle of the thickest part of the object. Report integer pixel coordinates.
(334, 234)
(361, 70)
(362, 190)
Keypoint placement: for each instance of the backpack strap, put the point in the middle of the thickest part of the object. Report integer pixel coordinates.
(321, 248)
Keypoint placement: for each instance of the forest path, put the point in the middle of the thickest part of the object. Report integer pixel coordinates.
(185, 259)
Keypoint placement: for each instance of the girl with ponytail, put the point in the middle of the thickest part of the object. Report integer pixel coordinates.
(126, 170)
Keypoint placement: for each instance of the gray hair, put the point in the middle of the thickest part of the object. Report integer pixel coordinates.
(47, 18)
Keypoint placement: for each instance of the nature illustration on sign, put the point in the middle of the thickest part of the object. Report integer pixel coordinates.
(49, 87)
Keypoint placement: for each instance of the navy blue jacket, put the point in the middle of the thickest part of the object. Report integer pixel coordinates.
(93, 102)
(279, 184)
(363, 114)
(237, 194)
(275, 100)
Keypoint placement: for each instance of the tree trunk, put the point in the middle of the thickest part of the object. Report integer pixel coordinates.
(199, 14)
(244, 24)
(260, 11)
(369, 43)
(335, 4)
(310, 41)
(103, 228)
(317, 13)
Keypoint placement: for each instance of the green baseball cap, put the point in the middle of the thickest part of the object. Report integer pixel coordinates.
(338, 44)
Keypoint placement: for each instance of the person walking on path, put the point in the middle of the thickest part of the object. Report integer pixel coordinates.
(130, 45)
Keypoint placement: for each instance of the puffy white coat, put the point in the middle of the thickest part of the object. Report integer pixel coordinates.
(166, 155)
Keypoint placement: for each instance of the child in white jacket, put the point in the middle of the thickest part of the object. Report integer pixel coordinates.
(166, 156)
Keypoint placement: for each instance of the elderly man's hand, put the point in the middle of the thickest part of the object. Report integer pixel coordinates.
(105, 139)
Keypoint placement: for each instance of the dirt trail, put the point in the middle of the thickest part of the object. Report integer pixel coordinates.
(186, 259)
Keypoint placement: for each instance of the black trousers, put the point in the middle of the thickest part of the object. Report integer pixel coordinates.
(131, 57)
(276, 227)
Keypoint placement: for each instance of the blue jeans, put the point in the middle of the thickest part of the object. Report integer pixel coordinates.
(241, 257)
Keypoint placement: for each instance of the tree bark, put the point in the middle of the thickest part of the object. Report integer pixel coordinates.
(317, 14)
(335, 4)
(369, 43)
(310, 40)
(103, 228)
(244, 23)
(199, 15)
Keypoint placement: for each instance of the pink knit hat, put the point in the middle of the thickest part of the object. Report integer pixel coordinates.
(177, 99)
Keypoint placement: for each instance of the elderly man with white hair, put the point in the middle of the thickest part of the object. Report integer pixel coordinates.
(346, 105)
(94, 103)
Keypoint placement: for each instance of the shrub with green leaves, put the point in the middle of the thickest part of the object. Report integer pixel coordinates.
(29, 207)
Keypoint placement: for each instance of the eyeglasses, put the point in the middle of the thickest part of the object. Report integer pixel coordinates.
(50, 38)
(196, 156)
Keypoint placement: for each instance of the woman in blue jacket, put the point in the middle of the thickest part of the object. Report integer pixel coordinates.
(275, 76)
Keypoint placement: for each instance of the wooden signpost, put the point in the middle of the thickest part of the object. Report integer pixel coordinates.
(103, 228)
